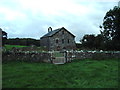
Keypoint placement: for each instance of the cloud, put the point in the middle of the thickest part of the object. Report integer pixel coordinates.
(31, 18)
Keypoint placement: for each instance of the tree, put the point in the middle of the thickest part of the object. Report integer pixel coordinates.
(111, 28)
(98, 43)
(23, 41)
(88, 41)
(92, 42)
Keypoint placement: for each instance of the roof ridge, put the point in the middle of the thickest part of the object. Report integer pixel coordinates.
(55, 31)
(51, 33)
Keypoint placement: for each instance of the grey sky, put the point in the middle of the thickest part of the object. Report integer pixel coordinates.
(31, 18)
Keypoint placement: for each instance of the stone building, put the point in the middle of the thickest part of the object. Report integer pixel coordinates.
(59, 39)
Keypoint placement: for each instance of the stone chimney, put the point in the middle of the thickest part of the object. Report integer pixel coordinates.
(49, 29)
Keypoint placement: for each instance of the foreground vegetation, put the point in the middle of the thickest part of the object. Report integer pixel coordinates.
(78, 74)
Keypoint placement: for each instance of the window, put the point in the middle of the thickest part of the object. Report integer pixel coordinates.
(62, 32)
(68, 41)
(56, 40)
(62, 40)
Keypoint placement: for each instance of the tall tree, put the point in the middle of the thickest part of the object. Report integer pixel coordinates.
(111, 28)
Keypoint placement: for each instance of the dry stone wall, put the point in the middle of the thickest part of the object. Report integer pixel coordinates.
(46, 56)
(97, 55)
(26, 56)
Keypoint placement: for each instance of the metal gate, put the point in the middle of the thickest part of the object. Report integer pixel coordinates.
(58, 57)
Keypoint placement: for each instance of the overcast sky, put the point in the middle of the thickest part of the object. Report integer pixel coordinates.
(31, 18)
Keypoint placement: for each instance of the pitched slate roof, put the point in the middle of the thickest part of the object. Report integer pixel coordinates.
(54, 32)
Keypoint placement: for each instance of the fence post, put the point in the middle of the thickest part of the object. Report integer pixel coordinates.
(50, 52)
(65, 55)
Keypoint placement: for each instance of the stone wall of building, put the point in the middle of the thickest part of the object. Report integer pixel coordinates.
(65, 41)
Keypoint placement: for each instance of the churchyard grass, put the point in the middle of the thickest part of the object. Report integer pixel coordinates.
(78, 74)
(9, 47)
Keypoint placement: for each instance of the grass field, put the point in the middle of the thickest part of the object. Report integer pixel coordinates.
(9, 47)
(78, 74)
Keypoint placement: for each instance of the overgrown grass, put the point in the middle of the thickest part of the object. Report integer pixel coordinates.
(9, 47)
(78, 74)
(39, 49)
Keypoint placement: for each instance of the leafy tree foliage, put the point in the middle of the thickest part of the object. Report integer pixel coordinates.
(111, 29)
(88, 41)
(98, 43)
(92, 41)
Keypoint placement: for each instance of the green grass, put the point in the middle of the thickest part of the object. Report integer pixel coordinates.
(9, 47)
(78, 74)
